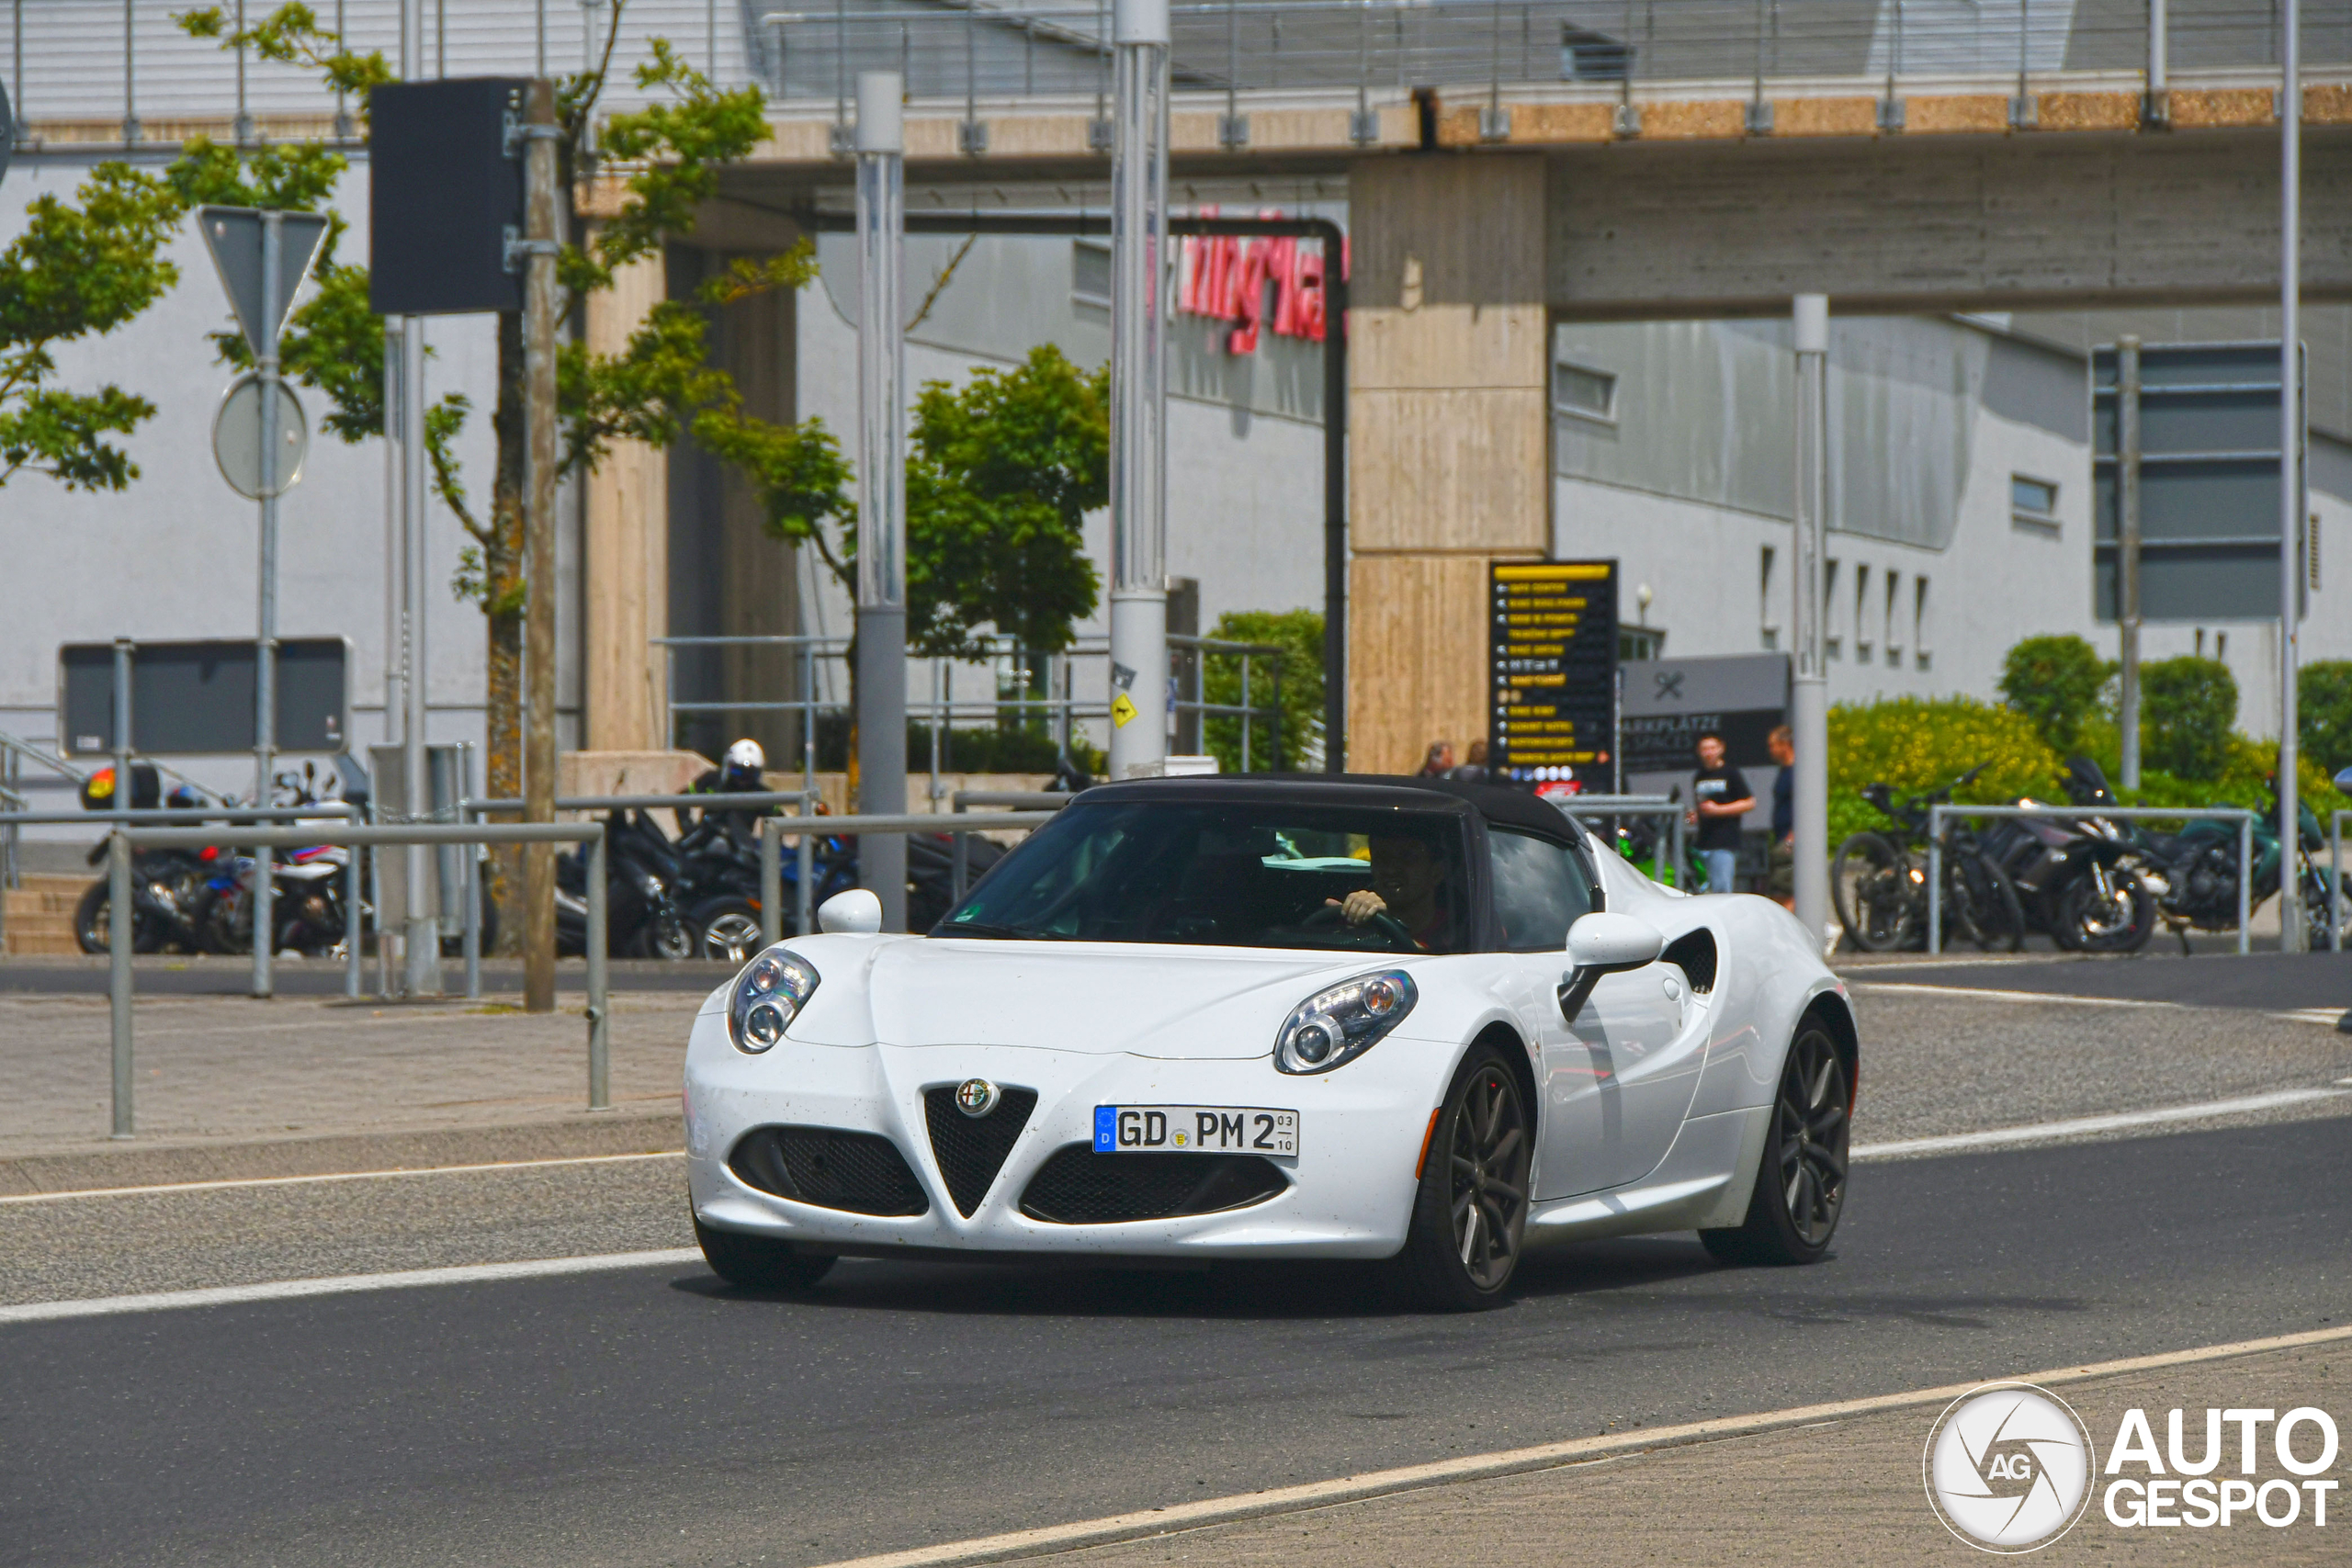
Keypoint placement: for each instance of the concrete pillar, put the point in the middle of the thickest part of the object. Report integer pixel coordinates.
(1450, 436)
(626, 573)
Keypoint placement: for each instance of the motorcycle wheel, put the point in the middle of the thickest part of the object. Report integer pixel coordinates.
(667, 937)
(2317, 912)
(1983, 904)
(93, 928)
(2087, 923)
(1871, 882)
(727, 931)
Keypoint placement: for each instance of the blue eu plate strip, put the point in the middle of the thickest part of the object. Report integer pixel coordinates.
(1106, 1129)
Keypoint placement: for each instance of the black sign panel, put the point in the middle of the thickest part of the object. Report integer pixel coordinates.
(442, 192)
(196, 698)
(1670, 702)
(1552, 672)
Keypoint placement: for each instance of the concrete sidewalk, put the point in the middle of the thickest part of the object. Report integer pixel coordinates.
(1841, 1490)
(229, 1086)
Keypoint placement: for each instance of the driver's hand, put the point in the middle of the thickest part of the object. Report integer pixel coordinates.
(1361, 906)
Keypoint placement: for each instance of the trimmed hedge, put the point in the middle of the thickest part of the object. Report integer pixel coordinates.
(2060, 682)
(1915, 745)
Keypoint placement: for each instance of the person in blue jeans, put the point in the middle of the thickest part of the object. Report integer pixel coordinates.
(1721, 797)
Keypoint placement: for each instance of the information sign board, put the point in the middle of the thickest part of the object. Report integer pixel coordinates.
(1551, 685)
(196, 698)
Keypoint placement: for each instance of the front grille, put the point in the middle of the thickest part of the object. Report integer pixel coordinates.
(1078, 1187)
(971, 1149)
(830, 1169)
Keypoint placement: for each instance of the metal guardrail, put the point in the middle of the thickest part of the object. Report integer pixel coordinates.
(2244, 817)
(123, 841)
(128, 817)
(1580, 806)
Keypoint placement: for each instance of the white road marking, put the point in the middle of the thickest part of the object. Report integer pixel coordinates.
(2046, 1131)
(2327, 1016)
(1183, 1517)
(332, 1176)
(344, 1284)
(1913, 988)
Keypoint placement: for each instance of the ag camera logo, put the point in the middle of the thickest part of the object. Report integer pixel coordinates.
(2008, 1467)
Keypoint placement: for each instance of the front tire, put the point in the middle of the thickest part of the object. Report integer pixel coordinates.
(1871, 882)
(1800, 1181)
(1470, 1211)
(759, 1262)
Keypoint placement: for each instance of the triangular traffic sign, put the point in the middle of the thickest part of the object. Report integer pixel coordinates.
(233, 235)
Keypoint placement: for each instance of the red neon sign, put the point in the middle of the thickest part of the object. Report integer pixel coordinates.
(1227, 278)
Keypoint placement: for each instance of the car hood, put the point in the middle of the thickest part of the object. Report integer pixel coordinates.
(1095, 997)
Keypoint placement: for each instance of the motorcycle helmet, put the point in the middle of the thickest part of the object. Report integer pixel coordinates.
(743, 764)
(183, 798)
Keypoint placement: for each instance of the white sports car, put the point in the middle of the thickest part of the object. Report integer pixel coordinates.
(1414, 1019)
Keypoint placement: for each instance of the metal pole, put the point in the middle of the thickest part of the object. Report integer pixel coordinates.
(1138, 390)
(600, 1041)
(242, 126)
(771, 830)
(1935, 880)
(2292, 933)
(129, 74)
(264, 904)
(2336, 882)
(2158, 110)
(2245, 881)
(2127, 582)
(420, 936)
(540, 328)
(1810, 684)
(470, 941)
(804, 864)
(881, 487)
(118, 931)
(125, 797)
(351, 924)
(1335, 509)
(539, 66)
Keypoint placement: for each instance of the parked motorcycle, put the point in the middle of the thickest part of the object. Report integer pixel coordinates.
(168, 886)
(2196, 872)
(643, 877)
(1879, 881)
(2078, 879)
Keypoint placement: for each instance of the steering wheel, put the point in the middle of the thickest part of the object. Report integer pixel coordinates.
(1386, 923)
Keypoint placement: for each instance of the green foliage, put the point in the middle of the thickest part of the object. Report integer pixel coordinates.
(674, 150)
(1916, 746)
(291, 36)
(2324, 714)
(1299, 634)
(1001, 474)
(2058, 683)
(2186, 706)
(79, 269)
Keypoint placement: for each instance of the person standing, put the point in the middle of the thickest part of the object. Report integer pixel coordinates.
(1438, 761)
(1475, 770)
(1721, 797)
(1781, 862)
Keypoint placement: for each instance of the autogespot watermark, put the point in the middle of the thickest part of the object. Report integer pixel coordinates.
(2010, 1468)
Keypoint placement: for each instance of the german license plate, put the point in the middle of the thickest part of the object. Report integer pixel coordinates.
(1194, 1130)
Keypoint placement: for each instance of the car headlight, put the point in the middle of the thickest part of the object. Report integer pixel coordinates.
(768, 996)
(1334, 1027)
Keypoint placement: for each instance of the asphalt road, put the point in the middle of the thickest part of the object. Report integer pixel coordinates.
(651, 1416)
(2266, 981)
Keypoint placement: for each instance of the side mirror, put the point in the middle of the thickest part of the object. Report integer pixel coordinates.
(856, 913)
(1602, 943)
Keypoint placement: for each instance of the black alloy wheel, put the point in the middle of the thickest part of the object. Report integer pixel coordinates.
(1801, 1181)
(2120, 919)
(759, 1262)
(1981, 903)
(1470, 1211)
(727, 930)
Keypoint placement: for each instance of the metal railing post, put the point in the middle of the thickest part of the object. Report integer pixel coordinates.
(600, 1086)
(2245, 881)
(351, 926)
(2336, 882)
(772, 879)
(1681, 852)
(118, 936)
(470, 891)
(804, 864)
(1935, 881)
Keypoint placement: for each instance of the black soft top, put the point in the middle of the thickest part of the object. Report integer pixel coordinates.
(1505, 807)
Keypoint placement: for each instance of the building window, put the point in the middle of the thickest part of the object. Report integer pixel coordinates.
(1862, 614)
(1640, 642)
(1920, 655)
(1769, 625)
(2033, 503)
(1587, 56)
(1090, 273)
(1894, 620)
(1833, 644)
(1584, 392)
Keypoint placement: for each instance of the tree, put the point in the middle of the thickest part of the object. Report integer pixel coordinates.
(656, 387)
(2188, 706)
(1299, 634)
(80, 269)
(2324, 713)
(2058, 683)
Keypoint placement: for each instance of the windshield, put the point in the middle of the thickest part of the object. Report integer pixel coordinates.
(1346, 879)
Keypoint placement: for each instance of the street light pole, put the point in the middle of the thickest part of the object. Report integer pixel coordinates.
(266, 633)
(2291, 451)
(881, 488)
(1810, 686)
(422, 933)
(1139, 390)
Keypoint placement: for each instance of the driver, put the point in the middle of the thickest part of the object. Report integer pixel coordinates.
(1406, 877)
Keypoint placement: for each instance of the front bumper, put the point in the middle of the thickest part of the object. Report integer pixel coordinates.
(1351, 1184)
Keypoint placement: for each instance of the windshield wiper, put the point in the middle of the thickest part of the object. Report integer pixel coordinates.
(983, 929)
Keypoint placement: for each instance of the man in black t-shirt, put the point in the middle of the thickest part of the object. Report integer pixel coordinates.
(1780, 862)
(1722, 797)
